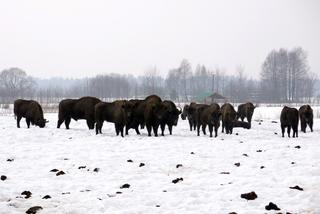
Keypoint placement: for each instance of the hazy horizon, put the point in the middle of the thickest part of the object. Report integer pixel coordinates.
(76, 38)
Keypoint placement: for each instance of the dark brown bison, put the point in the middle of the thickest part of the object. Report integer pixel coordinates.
(117, 112)
(229, 116)
(289, 118)
(134, 120)
(76, 109)
(31, 110)
(171, 118)
(186, 115)
(209, 115)
(306, 117)
(194, 113)
(150, 113)
(245, 110)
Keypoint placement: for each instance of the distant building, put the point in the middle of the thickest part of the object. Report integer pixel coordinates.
(208, 98)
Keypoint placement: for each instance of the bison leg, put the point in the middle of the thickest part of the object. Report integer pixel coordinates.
(303, 125)
(210, 130)
(310, 125)
(163, 126)
(149, 130)
(198, 129)
(28, 122)
(67, 122)
(222, 126)
(194, 126)
(288, 130)
(137, 130)
(127, 129)
(204, 126)
(18, 121)
(121, 127)
(242, 118)
(60, 121)
(116, 126)
(190, 125)
(99, 127)
(155, 130)
(90, 124)
(282, 130)
(170, 129)
(216, 131)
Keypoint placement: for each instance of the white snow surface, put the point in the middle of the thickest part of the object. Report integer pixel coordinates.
(204, 189)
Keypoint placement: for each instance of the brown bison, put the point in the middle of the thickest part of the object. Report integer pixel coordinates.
(150, 113)
(186, 115)
(171, 118)
(134, 120)
(116, 112)
(289, 118)
(209, 115)
(31, 110)
(245, 110)
(229, 116)
(76, 109)
(194, 113)
(306, 117)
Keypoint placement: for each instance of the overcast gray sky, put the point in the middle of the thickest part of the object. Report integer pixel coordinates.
(76, 38)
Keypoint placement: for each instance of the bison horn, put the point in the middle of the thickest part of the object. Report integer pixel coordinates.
(180, 109)
(47, 121)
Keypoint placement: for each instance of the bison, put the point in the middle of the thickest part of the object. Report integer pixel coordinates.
(134, 120)
(209, 115)
(116, 112)
(306, 117)
(229, 116)
(171, 118)
(289, 118)
(150, 113)
(76, 109)
(185, 114)
(245, 110)
(194, 113)
(31, 110)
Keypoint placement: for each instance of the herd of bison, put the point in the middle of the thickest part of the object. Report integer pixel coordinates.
(152, 112)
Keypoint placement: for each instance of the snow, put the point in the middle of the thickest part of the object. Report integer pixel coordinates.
(204, 189)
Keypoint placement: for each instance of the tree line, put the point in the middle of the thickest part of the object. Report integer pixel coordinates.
(284, 77)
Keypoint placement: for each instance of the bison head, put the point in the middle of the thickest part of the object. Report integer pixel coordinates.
(185, 112)
(41, 122)
(215, 118)
(160, 111)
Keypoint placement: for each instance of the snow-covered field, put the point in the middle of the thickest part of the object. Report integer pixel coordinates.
(97, 166)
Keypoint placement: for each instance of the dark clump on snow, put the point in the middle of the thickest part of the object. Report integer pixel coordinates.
(10, 159)
(157, 205)
(297, 188)
(177, 180)
(275, 133)
(65, 193)
(192, 153)
(293, 163)
(262, 167)
(237, 133)
(245, 155)
(33, 210)
(46, 197)
(60, 173)
(272, 206)
(125, 186)
(274, 121)
(27, 194)
(141, 165)
(249, 196)
(82, 167)
(130, 161)
(225, 173)
(96, 170)
(54, 170)
(233, 213)
(3, 177)
(118, 192)
(178, 165)
(297, 147)
(259, 150)
(237, 164)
